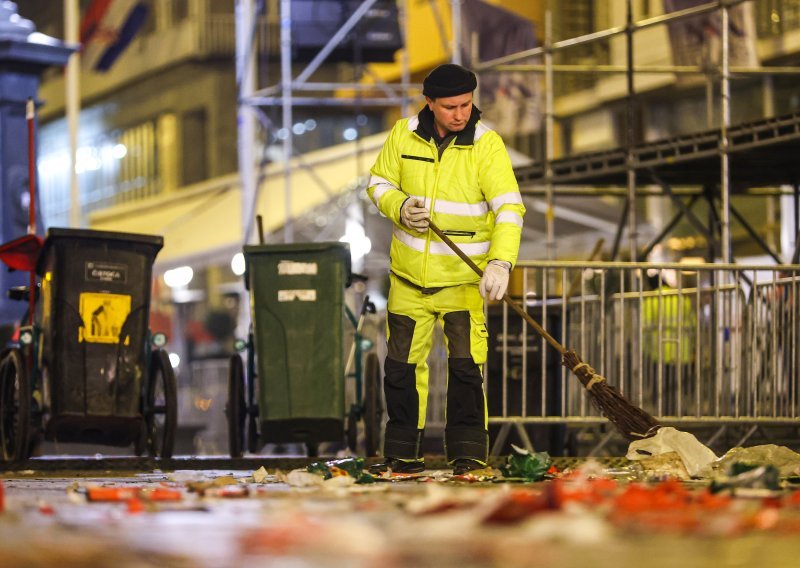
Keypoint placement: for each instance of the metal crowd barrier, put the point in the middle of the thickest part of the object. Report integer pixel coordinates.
(702, 343)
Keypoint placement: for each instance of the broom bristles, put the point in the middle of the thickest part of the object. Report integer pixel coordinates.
(630, 420)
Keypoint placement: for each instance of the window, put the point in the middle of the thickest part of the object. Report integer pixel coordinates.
(193, 146)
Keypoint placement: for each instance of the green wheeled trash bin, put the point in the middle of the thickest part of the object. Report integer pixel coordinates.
(296, 350)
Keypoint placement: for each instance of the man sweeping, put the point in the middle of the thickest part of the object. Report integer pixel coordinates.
(445, 165)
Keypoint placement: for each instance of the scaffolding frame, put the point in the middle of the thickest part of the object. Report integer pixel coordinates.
(724, 71)
(251, 99)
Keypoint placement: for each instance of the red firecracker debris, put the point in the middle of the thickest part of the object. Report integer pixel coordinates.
(135, 506)
(523, 503)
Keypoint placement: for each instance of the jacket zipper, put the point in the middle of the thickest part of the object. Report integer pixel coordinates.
(432, 144)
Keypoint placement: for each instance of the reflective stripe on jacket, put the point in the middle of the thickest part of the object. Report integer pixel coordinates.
(471, 192)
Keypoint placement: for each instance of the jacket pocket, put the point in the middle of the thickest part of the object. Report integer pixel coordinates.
(453, 233)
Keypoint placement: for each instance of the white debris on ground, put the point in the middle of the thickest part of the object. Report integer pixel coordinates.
(303, 520)
(695, 456)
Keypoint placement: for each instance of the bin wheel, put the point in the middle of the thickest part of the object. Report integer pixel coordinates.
(15, 407)
(235, 409)
(161, 406)
(373, 407)
(352, 430)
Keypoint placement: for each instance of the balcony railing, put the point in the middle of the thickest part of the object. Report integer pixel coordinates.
(217, 35)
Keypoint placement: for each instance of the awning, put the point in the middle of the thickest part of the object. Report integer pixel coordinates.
(202, 224)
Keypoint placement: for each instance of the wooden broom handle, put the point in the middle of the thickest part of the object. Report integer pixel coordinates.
(506, 298)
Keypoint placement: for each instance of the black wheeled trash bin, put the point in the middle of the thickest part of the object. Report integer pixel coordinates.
(95, 304)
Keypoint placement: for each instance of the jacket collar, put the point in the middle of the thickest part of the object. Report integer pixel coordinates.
(426, 129)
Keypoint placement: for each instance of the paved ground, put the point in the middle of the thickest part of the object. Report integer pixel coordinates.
(224, 518)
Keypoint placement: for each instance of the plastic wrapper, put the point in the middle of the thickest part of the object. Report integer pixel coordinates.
(525, 465)
(353, 467)
(696, 456)
(785, 460)
(743, 475)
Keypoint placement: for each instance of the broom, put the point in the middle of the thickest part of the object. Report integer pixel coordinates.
(630, 420)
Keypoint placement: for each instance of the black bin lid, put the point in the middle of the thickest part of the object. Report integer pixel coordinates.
(56, 234)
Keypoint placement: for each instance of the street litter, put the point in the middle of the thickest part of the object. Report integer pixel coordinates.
(300, 478)
(696, 457)
(201, 486)
(438, 499)
(127, 493)
(743, 475)
(527, 466)
(346, 467)
(261, 476)
(781, 457)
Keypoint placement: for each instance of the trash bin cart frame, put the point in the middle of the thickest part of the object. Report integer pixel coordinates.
(67, 378)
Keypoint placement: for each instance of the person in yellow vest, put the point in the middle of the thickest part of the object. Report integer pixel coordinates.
(668, 321)
(443, 165)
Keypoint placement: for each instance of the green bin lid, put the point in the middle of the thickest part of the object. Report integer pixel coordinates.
(294, 247)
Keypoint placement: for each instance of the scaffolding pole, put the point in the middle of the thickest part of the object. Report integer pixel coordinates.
(549, 135)
(246, 119)
(286, 101)
(455, 16)
(630, 120)
(725, 122)
(405, 74)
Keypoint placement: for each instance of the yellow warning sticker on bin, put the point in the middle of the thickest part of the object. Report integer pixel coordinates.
(103, 316)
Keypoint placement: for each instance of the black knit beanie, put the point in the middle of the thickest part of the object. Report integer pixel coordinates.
(449, 80)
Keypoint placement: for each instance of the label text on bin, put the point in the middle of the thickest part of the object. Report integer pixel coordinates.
(293, 268)
(292, 295)
(106, 272)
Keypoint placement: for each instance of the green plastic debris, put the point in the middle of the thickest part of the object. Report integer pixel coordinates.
(354, 467)
(748, 475)
(530, 466)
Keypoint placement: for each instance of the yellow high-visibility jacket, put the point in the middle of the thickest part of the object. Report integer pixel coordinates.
(471, 192)
(668, 333)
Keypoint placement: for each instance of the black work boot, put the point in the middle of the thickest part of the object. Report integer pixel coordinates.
(465, 465)
(397, 466)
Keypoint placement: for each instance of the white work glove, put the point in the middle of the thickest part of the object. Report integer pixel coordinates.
(494, 281)
(414, 215)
